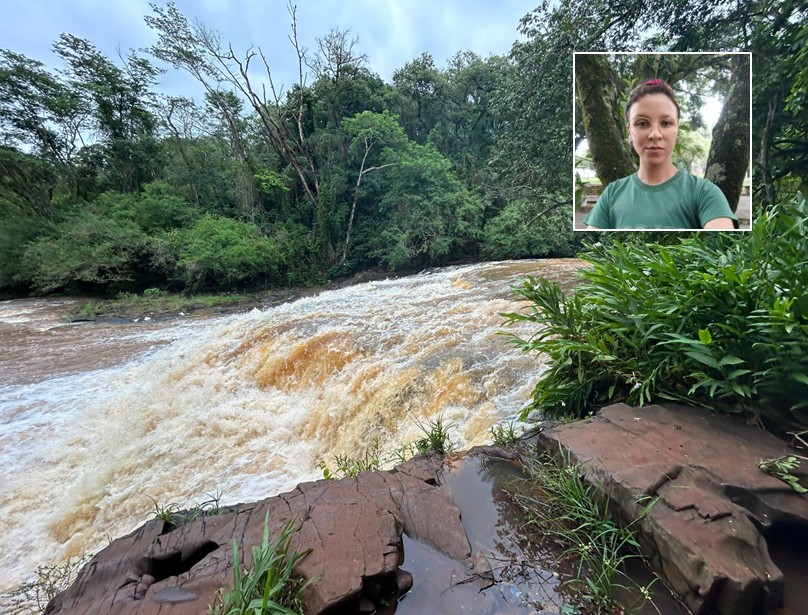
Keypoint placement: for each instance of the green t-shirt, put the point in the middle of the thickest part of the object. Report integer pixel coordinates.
(682, 202)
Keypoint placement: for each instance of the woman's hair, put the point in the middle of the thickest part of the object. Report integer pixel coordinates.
(651, 86)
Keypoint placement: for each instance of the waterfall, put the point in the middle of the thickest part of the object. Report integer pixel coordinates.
(247, 405)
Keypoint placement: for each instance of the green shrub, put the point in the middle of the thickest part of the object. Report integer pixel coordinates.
(220, 253)
(16, 231)
(715, 319)
(87, 251)
(156, 208)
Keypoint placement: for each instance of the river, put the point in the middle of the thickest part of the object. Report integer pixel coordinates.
(97, 419)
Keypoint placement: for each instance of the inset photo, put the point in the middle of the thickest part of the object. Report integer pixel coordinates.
(662, 141)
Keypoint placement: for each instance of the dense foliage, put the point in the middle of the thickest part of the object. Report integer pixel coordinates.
(108, 186)
(709, 320)
(715, 319)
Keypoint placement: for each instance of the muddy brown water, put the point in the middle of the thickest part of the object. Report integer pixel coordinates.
(97, 418)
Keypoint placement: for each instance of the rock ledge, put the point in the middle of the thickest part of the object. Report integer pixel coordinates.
(353, 527)
(705, 534)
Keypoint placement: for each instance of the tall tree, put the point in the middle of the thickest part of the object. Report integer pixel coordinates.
(372, 135)
(178, 116)
(200, 51)
(728, 160)
(422, 90)
(41, 111)
(229, 109)
(598, 89)
(122, 102)
(335, 64)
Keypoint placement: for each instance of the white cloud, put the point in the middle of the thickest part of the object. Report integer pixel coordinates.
(390, 32)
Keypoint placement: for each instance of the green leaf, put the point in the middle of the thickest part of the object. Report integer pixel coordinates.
(705, 337)
(737, 373)
(702, 358)
(799, 377)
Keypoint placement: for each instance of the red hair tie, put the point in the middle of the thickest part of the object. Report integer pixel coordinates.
(653, 82)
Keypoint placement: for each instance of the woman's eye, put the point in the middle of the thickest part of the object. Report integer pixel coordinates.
(641, 124)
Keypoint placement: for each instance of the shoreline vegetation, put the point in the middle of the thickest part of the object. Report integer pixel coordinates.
(155, 303)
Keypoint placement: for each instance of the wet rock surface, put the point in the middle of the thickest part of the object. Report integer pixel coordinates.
(443, 536)
(706, 534)
(438, 536)
(353, 527)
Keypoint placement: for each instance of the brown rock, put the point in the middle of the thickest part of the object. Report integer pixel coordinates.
(403, 582)
(702, 534)
(353, 528)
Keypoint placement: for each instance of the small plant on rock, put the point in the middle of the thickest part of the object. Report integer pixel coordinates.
(270, 587)
(436, 437)
(175, 516)
(351, 466)
(781, 468)
(504, 435)
(32, 598)
(559, 504)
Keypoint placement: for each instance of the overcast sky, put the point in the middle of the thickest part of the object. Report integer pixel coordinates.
(390, 32)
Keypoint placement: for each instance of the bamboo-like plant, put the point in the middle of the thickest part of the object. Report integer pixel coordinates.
(712, 319)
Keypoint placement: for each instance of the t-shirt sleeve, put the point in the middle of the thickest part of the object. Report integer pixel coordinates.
(713, 204)
(599, 216)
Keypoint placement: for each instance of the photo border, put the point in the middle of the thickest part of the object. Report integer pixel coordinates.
(635, 53)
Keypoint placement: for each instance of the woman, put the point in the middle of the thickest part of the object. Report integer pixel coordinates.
(658, 195)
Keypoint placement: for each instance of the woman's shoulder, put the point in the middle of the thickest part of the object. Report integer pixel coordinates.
(619, 184)
(698, 183)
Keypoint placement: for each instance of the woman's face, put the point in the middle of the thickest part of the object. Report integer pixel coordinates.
(652, 127)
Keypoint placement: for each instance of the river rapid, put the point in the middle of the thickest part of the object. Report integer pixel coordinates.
(97, 419)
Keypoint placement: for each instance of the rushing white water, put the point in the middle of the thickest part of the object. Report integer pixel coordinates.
(246, 405)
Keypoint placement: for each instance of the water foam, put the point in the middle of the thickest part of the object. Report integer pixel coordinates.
(248, 405)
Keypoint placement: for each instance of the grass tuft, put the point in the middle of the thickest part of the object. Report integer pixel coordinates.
(344, 465)
(270, 587)
(504, 435)
(174, 515)
(436, 437)
(560, 506)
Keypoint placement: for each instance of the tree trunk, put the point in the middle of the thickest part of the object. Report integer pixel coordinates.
(728, 160)
(765, 144)
(183, 150)
(596, 88)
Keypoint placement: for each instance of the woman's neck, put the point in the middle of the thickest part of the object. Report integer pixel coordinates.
(653, 175)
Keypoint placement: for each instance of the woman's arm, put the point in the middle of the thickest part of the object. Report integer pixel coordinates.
(720, 224)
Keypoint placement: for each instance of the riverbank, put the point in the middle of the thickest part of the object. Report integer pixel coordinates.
(442, 534)
(157, 304)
